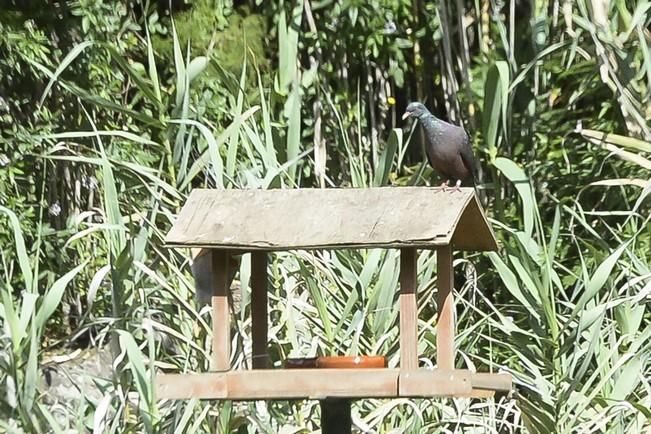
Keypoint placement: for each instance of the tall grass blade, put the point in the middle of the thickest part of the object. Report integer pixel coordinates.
(21, 250)
(67, 60)
(516, 175)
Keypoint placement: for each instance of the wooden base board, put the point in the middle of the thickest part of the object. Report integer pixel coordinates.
(285, 384)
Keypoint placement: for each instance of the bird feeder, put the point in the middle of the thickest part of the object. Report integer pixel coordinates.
(259, 222)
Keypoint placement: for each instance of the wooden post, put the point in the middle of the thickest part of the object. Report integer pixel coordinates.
(259, 310)
(221, 330)
(408, 310)
(335, 416)
(445, 326)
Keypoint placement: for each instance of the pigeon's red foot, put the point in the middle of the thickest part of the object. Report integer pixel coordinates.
(457, 186)
(444, 185)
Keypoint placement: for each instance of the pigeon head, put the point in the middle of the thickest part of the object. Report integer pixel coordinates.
(416, 110)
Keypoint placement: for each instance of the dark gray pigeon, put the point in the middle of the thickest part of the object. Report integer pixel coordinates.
(447, 147)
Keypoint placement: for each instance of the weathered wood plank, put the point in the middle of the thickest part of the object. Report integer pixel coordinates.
(502, 382)
(478, 394)
(312, 383)
(457, 382)
(221, 330)
(329, 218)
(446, 320)
(280, 384)
(330, 383)
(408, 310)
(188, 386)
(259, 310)
(437, 382)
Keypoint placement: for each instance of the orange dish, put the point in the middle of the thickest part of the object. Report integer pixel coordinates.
(336, 362)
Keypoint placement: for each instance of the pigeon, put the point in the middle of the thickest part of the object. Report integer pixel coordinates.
(447, 147)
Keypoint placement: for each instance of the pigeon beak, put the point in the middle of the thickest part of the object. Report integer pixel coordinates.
(406, 115)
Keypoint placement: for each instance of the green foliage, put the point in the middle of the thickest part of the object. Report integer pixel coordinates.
(111, 112)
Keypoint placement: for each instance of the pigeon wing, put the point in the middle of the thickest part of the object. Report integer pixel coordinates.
(468, 157)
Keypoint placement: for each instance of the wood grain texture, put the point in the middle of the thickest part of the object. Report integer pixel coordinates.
(313, 383)
(330, 383)
(478, 394)
(329, 218)
(221, 330)
(502, 382)
(259, 318)
(445, 326)
(437, 382)
(408, 310)
(280, 384)
(188, 386)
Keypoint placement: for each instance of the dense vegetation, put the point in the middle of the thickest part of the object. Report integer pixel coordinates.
(112, 111)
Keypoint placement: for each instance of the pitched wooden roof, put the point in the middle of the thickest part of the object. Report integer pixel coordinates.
(332, 218)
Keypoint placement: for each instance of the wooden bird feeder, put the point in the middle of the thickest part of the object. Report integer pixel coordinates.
(262, 221)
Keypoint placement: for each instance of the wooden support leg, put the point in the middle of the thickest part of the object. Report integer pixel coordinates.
(408, 310)
(259, 309)
(221, 330)
(445, 326)
(335, 416)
